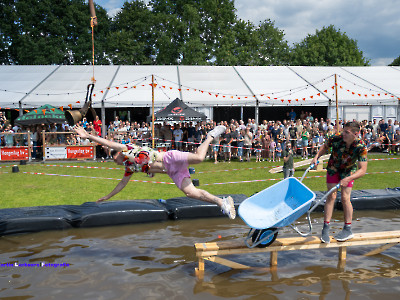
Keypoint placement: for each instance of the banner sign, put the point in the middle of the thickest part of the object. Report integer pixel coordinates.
(14, 153)
(70, 152)
(75, 152)
(56, 152)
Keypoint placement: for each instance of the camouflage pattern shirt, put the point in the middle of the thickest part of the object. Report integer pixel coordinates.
(342, 160)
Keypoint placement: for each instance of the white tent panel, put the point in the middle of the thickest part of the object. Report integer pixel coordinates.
(132, 86)
(17, 81)
(68, 85)
(351, 89)
(280, 86)
(382, 79)
(207, 85)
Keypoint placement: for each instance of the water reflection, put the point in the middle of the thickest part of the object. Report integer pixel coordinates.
(157, 261)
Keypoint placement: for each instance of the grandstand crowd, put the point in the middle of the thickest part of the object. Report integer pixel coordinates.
(242, 141)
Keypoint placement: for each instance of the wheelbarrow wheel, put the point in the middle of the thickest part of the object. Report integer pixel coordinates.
(259, 234)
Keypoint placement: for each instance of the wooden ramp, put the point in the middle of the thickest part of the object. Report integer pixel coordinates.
(213, 250)
(302, 163)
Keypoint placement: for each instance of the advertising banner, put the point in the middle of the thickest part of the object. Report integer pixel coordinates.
(14, 153)
(80, 152)
(56, 152)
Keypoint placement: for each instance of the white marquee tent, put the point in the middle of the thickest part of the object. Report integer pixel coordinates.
(362, 92)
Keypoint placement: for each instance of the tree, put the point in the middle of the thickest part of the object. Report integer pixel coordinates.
(328, 47)
(395, 62)
(273, 49)
(130, 39)
(44, 32)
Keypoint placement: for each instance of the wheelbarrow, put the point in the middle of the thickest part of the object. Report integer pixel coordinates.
(278, 206)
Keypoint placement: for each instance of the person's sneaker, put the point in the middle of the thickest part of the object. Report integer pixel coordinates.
(217, 131)
(228, 207)
(325, 234)
(345, 234)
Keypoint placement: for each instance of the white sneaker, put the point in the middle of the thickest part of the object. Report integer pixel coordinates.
(217, 131)
(228, 207)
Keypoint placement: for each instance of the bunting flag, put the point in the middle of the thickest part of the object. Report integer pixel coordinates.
(44, 111)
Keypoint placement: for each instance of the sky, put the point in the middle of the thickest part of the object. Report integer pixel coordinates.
(374, 24)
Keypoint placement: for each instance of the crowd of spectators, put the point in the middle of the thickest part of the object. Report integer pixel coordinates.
(264, 141)
(241, 141)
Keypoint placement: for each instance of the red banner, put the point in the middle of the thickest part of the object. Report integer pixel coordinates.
(75, 152)
(14, 153)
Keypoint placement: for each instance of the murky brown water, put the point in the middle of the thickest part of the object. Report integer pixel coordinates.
(157, 261)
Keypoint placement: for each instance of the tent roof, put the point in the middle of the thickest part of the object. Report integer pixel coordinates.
(177, 110)
(125, 86)
(45, 114)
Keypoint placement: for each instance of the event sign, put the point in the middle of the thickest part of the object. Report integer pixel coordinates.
(14, 153)
(70, 152)
(80, 152)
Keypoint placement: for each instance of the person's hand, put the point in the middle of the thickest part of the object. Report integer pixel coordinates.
(102, 199)
(81, 131)
(314, 161)
(345, 182)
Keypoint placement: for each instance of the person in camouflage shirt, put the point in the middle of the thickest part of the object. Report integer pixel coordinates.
(348, 161)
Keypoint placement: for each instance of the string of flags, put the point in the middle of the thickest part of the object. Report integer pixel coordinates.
(286, 96)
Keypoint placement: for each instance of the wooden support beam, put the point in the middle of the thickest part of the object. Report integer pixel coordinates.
(380, 249)
(211, 251)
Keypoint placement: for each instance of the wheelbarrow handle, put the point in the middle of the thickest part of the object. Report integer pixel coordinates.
(317, 202)
(336, 187)
(308, 169)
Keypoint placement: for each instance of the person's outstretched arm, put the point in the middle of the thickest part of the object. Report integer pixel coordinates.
(110, 144)
(120, 186)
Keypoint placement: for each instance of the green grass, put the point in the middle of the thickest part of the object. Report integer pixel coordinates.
(22, 190)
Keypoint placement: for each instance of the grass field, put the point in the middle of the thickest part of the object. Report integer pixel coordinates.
(97, 179)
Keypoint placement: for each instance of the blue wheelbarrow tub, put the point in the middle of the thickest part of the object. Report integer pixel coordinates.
(278, 205)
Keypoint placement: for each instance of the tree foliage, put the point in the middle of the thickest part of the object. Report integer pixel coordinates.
(49, 32)
(328, 47)
(395, 62)
(161, 32)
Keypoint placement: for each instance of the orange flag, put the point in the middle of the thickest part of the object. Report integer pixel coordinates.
(35, 110)
(70, 106)
(53, 109)
(44, 111)
(61, 108)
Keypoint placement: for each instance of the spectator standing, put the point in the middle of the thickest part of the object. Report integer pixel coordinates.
(9, 136)
(304, 143)
(97, 125)
(248, 140)
(288, 166)
(240, 144)
(178, 135)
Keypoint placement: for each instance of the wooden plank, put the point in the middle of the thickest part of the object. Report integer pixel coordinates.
(210, 251)
(226, 262)
(302, 163)
(293, 241)
(380, 249)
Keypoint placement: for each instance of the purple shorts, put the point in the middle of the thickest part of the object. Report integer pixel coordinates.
(176, 164)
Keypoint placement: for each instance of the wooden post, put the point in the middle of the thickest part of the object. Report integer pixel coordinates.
(337, 106)
(273, 259)
(44, 144)
(342, 254)
(152, 111)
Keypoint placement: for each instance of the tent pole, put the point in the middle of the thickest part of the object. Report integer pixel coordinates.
(337, 106)
(152, 111)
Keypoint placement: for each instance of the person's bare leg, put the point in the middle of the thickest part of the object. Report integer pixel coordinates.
(226, 204)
